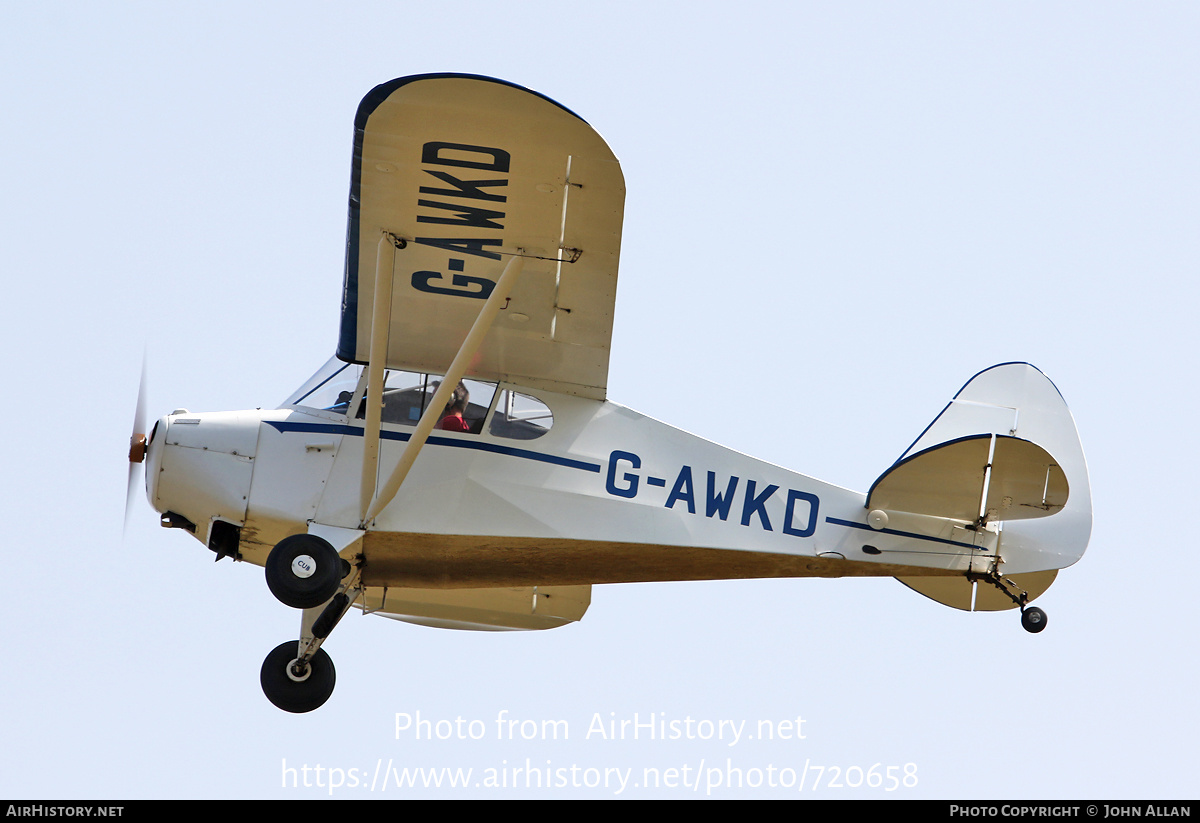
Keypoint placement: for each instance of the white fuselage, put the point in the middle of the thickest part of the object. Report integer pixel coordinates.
(602, 475)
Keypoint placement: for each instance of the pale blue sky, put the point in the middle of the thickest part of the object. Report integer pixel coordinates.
(836, 214)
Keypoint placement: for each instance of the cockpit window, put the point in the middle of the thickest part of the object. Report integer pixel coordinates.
(406, 396)
(520, 417)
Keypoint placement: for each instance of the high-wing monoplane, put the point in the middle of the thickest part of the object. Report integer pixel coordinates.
(457, 462)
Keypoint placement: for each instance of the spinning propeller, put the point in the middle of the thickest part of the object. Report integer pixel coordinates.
(137, 442)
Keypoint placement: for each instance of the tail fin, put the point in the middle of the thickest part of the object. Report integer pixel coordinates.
(1032, 477)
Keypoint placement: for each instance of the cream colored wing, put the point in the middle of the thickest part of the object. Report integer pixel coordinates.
(462, 173)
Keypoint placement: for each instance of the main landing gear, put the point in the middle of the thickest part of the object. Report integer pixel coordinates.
(305, 572)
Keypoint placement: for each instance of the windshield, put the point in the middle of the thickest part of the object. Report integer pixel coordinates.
(330, 388)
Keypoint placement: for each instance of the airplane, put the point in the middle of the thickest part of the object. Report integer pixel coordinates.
(458, 464)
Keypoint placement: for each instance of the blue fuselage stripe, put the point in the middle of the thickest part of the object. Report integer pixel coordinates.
(477, 445)
(850, 524)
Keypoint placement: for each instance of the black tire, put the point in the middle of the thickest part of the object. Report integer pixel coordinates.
(1033, 619)
(290, 694)
(303, 571)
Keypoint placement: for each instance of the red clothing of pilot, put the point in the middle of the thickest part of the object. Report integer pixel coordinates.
(454, 423)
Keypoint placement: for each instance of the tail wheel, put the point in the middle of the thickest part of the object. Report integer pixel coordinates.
(294, 688)
(1033, 619)
(304, 571)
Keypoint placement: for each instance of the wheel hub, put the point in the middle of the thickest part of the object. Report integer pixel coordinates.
(304, 566)
(298, 673)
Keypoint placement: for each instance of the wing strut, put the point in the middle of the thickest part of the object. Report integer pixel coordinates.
(385, 258)
(433, 412)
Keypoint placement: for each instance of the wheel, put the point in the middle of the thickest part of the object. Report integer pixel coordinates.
(1033, 619)
(303, 571)
(297, 693)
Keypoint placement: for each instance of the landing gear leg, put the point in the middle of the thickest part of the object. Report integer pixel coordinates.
(1033, 619)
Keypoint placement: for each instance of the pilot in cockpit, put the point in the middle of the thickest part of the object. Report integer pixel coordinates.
(452, 420)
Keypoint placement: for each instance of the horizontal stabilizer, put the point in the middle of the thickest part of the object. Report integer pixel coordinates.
(981, 596)
(995, 477)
